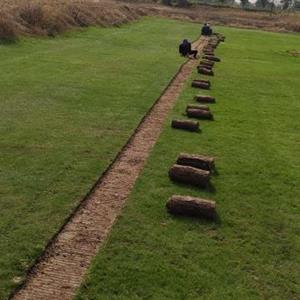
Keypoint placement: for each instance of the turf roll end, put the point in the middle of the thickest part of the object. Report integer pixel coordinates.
(208, 52)
(208, 67)
(205, 71)
(206, 62)
(197, 106)
(211, 58)
(199, 113)
(186, 125)
(190, 175)
(191, 206)
(196, 161)
(200, 84)
(205, 99)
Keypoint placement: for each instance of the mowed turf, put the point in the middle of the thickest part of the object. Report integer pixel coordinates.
(252, 250)
(67, 106)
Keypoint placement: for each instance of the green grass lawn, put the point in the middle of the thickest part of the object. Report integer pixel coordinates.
(252, 251)
(67, 106)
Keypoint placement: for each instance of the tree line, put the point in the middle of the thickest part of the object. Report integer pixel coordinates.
(272, 6)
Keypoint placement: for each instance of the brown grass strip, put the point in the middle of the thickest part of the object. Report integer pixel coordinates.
(51, 17)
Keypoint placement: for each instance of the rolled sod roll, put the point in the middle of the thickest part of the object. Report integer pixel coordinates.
(220, 37)
(199, 114)
(208, 50)
(189, 175)
(197, 106)
(196, 161)
(212, 58)
(203, 81)
(191, 206)
(206, 71)
(207, 62)
(209, 53)
(212, 45)
(209, 47)
(205, 99)
(208, 67)
(200, 84)
(204, 65)
(186, 125)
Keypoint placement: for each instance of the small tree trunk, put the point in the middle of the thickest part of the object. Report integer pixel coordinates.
(199, 114)
(205, 99)
(190, 175)
(191, 206)
(186, 125)
(196, 161)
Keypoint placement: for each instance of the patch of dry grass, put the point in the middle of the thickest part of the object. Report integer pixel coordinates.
(45, 17)
(51, 17)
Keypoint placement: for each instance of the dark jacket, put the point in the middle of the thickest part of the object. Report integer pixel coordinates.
(206, 30)
(185, 48)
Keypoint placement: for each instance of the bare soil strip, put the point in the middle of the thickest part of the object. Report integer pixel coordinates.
(60, 270)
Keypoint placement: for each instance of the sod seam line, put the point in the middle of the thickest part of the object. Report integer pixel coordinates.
(58, 272)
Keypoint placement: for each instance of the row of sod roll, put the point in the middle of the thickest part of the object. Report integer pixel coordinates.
(195, 169)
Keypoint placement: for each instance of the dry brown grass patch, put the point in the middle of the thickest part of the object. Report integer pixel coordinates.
(7, 28)
(46, 17)
(50, 17)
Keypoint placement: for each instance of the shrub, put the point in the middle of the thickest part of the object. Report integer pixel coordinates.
(8, 31)
(32, 14)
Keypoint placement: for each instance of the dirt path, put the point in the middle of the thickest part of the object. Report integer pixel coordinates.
(60, 270)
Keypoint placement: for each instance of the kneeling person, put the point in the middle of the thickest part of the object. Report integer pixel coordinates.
(185, 49)
(206, 30)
